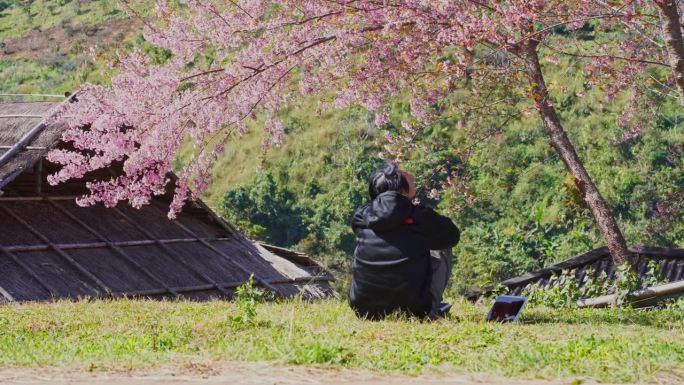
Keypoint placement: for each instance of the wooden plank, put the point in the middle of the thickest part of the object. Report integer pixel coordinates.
(292, 255)
(580, 260)
(39, 177)
(312, 279)
(225, 285)
(100, 245)
(59, 251)
(29, 148)
(5, 294)
(300, 257)
(38, 198)
(678, 273)
(658, 251)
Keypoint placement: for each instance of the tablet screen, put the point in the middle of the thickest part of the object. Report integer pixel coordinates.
(506, 308)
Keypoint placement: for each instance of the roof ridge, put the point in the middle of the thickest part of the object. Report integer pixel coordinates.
(24, 141)
(31, 101)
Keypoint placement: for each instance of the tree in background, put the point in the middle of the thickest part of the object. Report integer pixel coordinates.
(672, 34)
(266, 204)
(243, 61)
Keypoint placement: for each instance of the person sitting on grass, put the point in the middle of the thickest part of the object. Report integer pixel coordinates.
(394, 268)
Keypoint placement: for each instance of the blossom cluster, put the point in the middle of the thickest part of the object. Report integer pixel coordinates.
(239, 61)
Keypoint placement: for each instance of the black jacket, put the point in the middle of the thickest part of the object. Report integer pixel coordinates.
(391, 269)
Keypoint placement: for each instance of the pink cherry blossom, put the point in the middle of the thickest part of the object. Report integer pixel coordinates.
(240, 61)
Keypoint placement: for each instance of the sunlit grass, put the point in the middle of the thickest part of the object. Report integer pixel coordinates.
(607, 345)
(19, 19)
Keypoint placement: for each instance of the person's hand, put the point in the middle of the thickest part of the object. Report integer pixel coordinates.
(411, 193)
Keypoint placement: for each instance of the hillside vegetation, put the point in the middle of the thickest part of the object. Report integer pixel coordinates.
(511, 196)
(54, 46)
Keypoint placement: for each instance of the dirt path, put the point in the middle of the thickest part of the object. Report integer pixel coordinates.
(249, 374)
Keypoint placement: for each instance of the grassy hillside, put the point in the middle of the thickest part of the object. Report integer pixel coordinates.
(19, 18)
(45, 44)
(515, 203)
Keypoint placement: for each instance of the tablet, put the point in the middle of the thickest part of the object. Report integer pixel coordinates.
(507, 308)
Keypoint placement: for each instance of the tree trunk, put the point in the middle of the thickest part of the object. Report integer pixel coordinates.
(672, 33)
(603, 216)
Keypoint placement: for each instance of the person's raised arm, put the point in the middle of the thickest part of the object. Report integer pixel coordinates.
(440, 230)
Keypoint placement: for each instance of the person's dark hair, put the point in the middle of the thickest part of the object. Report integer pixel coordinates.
(387, 178)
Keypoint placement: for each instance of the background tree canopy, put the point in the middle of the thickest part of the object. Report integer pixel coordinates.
(518, 208)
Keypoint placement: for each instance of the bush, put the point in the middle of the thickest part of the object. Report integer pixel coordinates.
(565, 290)
(247, 297)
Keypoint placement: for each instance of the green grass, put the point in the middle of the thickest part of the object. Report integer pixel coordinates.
(32, 77)
(606, 345)
(17, 20)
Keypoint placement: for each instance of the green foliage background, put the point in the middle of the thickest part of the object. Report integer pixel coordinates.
(526, 212)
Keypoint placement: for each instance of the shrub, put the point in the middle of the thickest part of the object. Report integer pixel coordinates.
(247, 297)
(564, 290)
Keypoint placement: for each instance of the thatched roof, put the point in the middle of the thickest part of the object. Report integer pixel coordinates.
(52, 248)
(670, 265)
(23, 120)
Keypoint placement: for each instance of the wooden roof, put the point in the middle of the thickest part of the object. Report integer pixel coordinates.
(670, 264)
(52, 248)
(24, 120)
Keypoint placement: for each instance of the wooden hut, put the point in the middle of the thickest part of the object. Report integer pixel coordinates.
(51, 248)
(669, 262)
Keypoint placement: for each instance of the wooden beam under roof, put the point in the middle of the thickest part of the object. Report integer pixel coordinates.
(6, 295)
(170, 252)
(60, 252)
(257, 278)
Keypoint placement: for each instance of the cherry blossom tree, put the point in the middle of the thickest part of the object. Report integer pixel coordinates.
(243, 60)
(653, 36)
(672, 34)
